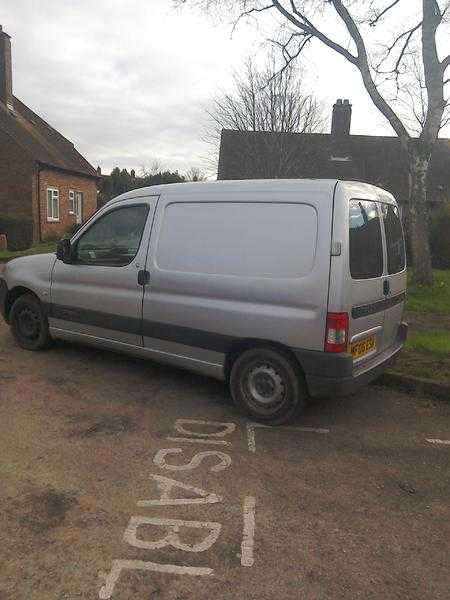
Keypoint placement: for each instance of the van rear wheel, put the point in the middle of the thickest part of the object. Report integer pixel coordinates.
(29, 323)
(267, 386)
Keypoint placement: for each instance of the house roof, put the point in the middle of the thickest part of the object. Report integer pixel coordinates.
(41, 141)
(375, 159)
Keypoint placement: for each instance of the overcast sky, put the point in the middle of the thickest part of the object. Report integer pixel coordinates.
(128, 81)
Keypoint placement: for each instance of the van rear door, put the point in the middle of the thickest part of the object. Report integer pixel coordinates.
(366, 263)
(394, 280)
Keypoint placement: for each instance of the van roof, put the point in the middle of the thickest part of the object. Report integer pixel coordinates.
(354, 188)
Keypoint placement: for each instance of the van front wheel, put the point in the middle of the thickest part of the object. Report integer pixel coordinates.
(29, 323)
(267, 386)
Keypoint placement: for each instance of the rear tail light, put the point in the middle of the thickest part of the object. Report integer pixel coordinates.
(336, 334)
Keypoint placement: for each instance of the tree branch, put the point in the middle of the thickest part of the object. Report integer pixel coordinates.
(381, 14)
(396, 69)
(247, 13)
(298, 18)
(288, 57)
(308, 28)
(445, 63)
(369, 84)
(434, 74)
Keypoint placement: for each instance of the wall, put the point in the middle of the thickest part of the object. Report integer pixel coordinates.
(15, 179)
(65, 182)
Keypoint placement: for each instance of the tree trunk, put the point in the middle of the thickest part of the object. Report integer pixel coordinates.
(418, 220)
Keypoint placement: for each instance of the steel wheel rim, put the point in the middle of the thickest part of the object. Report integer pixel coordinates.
(264, 388)
(29, 324)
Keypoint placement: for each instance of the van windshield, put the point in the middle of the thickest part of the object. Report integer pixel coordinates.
(395, 243)
(366, 248)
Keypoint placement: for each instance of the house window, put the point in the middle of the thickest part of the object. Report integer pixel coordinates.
(52, 204)
(71, 202)
(79, 206)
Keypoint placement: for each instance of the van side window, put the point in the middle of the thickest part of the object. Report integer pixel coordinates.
(114, 239)
(366, 249)
(395, 243)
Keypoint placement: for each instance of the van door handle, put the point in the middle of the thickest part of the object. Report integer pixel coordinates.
(386, 287)
(143, 277)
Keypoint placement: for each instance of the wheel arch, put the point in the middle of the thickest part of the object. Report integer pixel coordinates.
(13, 294)
(239, 346)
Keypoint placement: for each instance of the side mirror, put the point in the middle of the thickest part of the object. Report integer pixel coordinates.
(64, 251)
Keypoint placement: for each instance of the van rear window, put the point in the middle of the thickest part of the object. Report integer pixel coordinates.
(246, 239)
(395, 243)
(366, 248)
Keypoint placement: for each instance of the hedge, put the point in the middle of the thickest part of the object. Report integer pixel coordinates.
(18, 230)
(440, 238)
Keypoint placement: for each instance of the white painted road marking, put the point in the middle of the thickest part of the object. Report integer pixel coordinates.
(165, 485)
(111, 578)
(437, 441)
(227, 428)
(251, 437)
(192, 495)
(252, 426)
(199, 441)
(248, 535)
(160, 460)
(172, 537)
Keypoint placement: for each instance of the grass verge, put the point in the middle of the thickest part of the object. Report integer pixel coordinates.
(437, 342)
(431, 300)
(427, 350)
(426, 365)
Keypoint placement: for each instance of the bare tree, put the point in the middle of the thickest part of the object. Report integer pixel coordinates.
(267, 99)
(383, 69)
(195, 174)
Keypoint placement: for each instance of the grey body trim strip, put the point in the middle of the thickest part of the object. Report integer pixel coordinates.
(207, 340)
(379, 306)
(95, 318)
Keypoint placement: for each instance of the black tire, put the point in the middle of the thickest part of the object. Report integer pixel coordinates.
(267, 385)
(29, 323)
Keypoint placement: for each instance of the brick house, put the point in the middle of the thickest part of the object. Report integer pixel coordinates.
(336, 155)
(43, 178)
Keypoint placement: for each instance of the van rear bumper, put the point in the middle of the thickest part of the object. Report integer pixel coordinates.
(333, 374)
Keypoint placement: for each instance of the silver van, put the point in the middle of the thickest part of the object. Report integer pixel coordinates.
(283, 288)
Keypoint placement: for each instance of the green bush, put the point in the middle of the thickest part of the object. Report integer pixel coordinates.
(440, 238)
(51, 237)
(71, 231)
(19, 231)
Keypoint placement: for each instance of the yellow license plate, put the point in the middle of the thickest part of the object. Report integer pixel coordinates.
(363, 347)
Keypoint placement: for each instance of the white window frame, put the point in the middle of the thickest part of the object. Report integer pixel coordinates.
(78, 206)
(54, 195)
(71, 202)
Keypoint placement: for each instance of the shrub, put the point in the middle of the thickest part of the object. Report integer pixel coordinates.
(19, 231)
(52, 237)
(440, 238)
(71, 231)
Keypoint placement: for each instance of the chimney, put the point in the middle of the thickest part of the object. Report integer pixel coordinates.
(342, 117)
(5, 70)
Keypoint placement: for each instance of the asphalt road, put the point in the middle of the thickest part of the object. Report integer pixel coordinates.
(350, 502)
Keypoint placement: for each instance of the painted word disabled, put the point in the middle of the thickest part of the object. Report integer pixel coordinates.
(149, 532)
